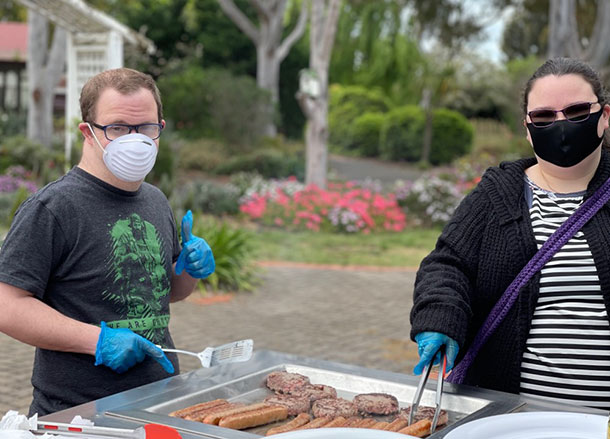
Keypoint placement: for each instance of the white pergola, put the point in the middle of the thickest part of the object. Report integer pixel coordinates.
(95, 43)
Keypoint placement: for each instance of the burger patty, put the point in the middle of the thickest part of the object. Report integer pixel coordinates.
(334, 407)
(286, 382)
(425, 412)
(376, 403)
(294, 404)
(316, 391)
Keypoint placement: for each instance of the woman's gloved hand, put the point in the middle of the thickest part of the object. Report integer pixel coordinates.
(196, 256)
(428, 344)
(120, 349)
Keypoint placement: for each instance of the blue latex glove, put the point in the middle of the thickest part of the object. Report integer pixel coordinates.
(427, 345)
(196, 256)
(120, 349)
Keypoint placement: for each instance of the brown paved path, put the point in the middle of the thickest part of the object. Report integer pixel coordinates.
(352, 316)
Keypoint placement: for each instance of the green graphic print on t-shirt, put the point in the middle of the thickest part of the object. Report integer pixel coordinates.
(139, 278)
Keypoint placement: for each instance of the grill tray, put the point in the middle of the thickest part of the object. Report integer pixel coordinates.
(246, 383)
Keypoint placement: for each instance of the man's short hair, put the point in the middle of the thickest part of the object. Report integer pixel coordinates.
(123, 80)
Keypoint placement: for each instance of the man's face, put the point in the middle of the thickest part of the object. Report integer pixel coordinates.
(132, 109)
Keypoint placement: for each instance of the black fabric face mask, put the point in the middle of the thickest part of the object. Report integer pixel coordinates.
(566, 143)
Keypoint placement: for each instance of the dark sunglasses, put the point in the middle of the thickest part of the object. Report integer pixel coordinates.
(573, 113)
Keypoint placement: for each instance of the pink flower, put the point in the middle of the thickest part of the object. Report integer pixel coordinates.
(311, 207)
(255, 208)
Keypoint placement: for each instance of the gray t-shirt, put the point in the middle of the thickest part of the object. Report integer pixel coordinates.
(94, 253)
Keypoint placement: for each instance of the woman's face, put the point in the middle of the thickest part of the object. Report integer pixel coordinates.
(566, 149)
(558, 92)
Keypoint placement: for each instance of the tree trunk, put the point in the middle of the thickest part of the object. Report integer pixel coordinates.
(268, 78)
(44, 68)
(426, 105)
(563, 32)
(271, 50)
(598, 50)
(324, 19)
(316, 138)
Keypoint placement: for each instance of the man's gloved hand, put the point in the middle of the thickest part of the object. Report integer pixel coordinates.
(120, 349)
(196, 256)
(427, 345)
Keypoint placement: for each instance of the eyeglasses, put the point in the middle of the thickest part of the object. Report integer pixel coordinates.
(573, 113)
(116, 130)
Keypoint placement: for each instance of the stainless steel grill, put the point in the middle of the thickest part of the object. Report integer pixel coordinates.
(245, 382)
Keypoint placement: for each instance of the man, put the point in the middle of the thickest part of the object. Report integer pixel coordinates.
(92, 261)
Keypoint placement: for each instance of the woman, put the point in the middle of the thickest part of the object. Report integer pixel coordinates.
(555, 340)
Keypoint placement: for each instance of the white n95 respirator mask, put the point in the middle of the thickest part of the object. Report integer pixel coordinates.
(130, 157)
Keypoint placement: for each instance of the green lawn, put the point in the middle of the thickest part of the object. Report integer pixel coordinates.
(405, 249)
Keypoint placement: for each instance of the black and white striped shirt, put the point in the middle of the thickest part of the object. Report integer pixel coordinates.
(567, 354)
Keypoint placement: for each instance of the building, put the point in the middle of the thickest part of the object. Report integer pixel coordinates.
(13, 55)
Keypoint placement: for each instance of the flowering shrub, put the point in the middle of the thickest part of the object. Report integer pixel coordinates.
(14, 189)
(14, 178)
(431, 199)
(269, 188)
(343, 207)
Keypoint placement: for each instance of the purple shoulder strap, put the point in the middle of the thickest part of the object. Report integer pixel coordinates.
(562, 235)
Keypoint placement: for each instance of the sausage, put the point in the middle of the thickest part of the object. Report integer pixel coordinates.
(380, 426)
(254, 418)
(200, 415)
(351, 421)
(299, 421)
(397, 424)
(214, 418)
(365, 423)
(202, 406)
(339, 421)
(315, 423)
(418, 429)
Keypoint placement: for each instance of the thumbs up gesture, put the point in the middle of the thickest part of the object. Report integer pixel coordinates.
(196, 256)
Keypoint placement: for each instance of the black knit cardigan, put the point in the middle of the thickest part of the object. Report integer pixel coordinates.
(478, 254)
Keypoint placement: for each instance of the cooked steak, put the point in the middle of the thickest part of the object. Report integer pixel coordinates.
(376, 403)
(315, 392)
(334, 407)
(425, 412)
(286, 382)
(294, 404)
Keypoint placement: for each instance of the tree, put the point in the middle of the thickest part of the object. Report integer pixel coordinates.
(44, 68)
(374, 49)
(324, 17)
(558, 28)
(526, 33)
(187, 31)
(438, 79)
(11, 10)
(267, 38)
(564, 37)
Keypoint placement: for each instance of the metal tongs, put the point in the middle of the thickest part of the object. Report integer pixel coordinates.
(439, 388)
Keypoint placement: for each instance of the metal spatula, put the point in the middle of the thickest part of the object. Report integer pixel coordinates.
(227, 353)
